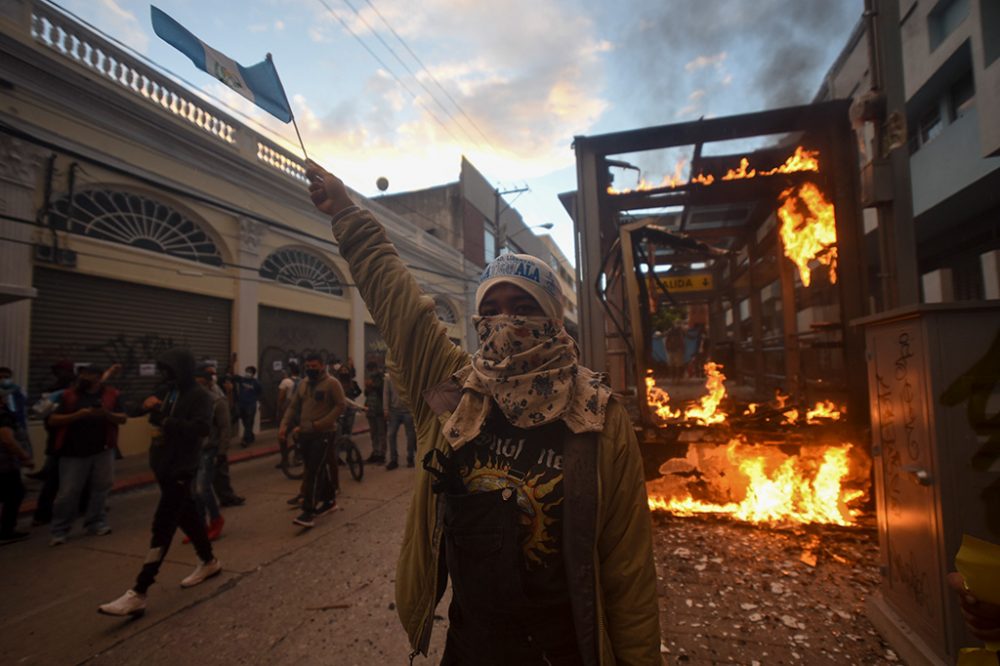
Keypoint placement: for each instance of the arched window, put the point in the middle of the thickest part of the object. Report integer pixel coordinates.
(302, 269)
(444, 311)
(135, 220)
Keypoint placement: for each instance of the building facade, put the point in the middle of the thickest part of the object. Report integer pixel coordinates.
(951, 72)
(136, 217)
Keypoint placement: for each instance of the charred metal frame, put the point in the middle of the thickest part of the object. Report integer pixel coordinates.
(825, 126)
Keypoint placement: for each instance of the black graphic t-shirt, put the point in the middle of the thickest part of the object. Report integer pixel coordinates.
(530, 462)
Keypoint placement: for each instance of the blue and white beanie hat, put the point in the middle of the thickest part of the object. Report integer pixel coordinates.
(529, 273)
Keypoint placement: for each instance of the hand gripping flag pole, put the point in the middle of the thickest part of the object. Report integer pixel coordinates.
(259, 83)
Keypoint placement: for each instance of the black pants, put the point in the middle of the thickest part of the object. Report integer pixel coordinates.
(11, 494)
(319, 486)
(222, 483)
(247, 415)
(176, 509)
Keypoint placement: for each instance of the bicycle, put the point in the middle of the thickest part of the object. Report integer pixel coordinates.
(351, 453)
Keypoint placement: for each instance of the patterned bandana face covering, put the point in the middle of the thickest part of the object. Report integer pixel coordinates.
(528, 366)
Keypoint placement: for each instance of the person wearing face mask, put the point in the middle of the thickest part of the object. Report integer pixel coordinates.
(180, 413)
(530, 497)
(13, 396)
(311, 417)
(86, 434)
(248, 391)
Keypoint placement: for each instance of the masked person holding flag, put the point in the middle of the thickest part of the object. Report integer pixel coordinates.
(531, 496)
(181, 416)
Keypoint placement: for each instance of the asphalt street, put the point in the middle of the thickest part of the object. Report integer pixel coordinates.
(286, 596)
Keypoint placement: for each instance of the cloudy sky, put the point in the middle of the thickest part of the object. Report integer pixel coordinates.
(403, 89)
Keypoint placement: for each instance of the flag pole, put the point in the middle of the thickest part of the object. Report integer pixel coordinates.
(290, 112)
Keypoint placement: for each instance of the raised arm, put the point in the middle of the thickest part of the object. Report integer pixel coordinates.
(404, 315)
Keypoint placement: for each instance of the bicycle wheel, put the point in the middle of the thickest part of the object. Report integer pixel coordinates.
(354, 460)
(292, 464)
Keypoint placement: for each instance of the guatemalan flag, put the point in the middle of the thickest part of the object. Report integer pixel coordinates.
(259, 84)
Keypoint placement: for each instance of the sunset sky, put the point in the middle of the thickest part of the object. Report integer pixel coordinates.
(507, 84)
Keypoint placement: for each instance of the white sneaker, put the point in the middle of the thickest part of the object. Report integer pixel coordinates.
(130, 603)
(203, 572)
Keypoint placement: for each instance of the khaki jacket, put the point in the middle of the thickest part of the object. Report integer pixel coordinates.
(622, 575)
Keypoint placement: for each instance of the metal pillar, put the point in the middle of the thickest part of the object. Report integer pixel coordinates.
(588, 257)
(790, 324)
(756, 310)
(897, 244)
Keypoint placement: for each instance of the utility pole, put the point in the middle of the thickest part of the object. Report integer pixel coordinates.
(897, 242)
(497, 212)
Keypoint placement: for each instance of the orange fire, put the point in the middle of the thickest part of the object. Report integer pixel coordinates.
(704, 412)
(707, 411)
(808, 230)
(760, 484)
(800, 160)
(825, 409)
(780, 399)
(791, 416)
(659, 399)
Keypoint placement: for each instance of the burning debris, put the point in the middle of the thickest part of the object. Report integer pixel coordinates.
(787, 478)
(762, 484)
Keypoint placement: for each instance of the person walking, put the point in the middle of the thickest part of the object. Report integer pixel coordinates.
(398, 415)
(222, 482)
(248, 391)
(218, 437)
(86, 435)
(531, 498)
(12, 458)
(286, 387)
(181, 415)
(311, 417)
(374, 411)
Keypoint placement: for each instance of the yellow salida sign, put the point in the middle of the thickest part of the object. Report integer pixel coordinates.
(684, 283)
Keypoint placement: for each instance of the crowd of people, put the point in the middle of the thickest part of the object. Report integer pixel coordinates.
(194, 415)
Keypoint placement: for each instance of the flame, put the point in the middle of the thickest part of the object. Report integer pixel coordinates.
(659, 399)
(808, 235)
(743, 172)
(707, 412)
(751, 409)
(780, 399)
(791, 416)
(800, 160)
(805, 488)
(825, 409)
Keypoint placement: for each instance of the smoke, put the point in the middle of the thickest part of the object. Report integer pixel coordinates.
(745, 56)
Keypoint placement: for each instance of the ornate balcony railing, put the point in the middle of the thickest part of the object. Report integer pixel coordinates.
(78, 43)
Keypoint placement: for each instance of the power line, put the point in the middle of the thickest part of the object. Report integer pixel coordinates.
(432, 77)
(389, 70)
(407, 68)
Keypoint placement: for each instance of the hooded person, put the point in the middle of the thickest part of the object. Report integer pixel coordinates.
(180, 413)
(530, 498)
